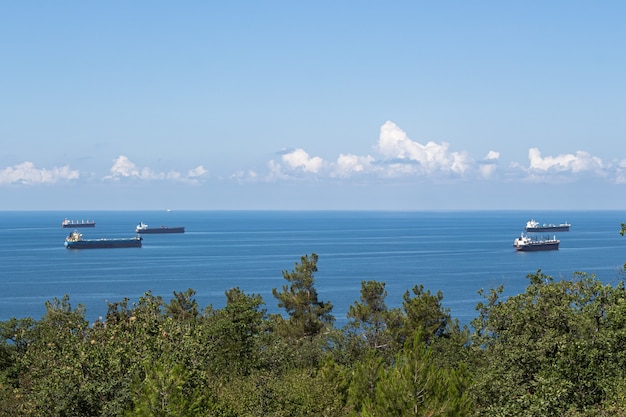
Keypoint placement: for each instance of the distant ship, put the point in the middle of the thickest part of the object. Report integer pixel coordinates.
(526, 243)
(72, 224)
(75, 241)
(143, 228)
(534, 226)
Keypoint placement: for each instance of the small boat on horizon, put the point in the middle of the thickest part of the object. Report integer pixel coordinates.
(526, 243)
(75, 241)
(534, 226)
(144, 228)
(75, 223)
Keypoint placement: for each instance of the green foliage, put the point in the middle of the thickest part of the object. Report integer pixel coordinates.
(370, 318)
(422, 378)
(307, 314)
(54, 370)
(424, 315)
(370, 312)
(14, 341)
(183, 305)
(165, 391)
(553, 350)
(231, 335)
(298, 392)
(363, 378)
(413, 385)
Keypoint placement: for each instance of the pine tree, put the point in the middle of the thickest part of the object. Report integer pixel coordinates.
(307, 314)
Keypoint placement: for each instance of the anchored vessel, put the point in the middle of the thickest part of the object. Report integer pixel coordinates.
(534, 226)
(143, 228)
(75, 241)
(527, 243)
(75, 223)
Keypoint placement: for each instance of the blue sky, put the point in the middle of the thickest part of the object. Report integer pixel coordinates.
(401, 105)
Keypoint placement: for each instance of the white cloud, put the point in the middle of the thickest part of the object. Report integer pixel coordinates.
(249, 176)
(487, 167)
(461, 162)
(620, 176)
(275, 173)
(300, 159)
(575, 163)
(487, 170)
(492, 155)
(348, 164)
(274, 167)
(125, 168)
(396, 146)
(198, 171)
(27, 173)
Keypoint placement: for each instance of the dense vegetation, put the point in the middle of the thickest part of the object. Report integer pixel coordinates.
(557, 349)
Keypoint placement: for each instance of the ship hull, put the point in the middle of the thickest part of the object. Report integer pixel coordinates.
(75, 225)
(163, 229)
(105, 243)
(536, 247)
(548, 229)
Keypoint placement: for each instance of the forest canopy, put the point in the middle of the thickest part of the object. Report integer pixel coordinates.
(555, 349)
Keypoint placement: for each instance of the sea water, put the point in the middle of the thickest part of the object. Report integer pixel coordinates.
(455, 252)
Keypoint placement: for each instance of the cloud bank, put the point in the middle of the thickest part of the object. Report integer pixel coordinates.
(579, 162)
(394, 156)
(397, 156)
(299, 159)
(27, 173)
(124, 168)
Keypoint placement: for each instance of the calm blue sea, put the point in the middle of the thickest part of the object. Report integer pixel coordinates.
(455, 252)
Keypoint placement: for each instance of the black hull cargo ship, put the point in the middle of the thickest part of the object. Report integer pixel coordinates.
(73, 224)
(75, 241)
(533, 226)
(143, 228)
(531, 244)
